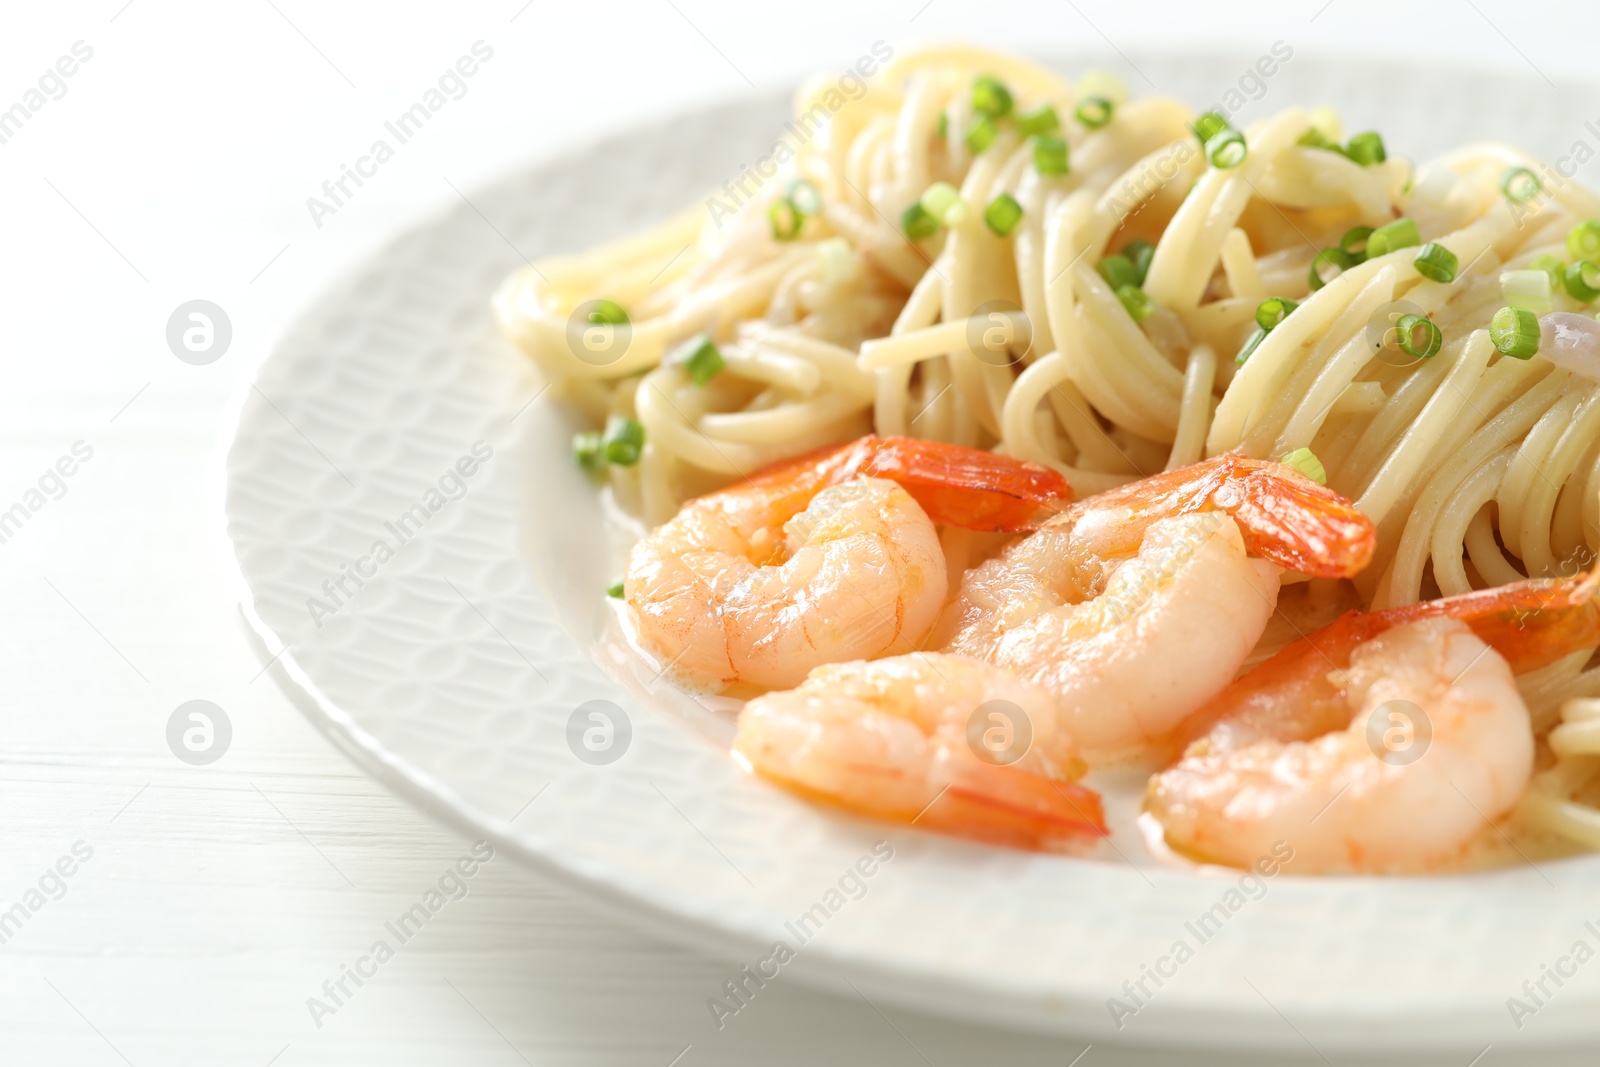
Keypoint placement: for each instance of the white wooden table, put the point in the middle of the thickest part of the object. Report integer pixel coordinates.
(174, 165)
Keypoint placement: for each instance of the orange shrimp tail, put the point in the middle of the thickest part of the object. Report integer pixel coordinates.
(1283, 516)
(956, 486)
(1531, 623)
(1006, 805)
(1296, 523)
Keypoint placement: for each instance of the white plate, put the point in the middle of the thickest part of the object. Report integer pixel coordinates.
(453, 673)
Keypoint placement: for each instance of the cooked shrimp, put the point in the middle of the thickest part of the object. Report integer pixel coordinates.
(898, 739)
(1285, 753)
(1136, 606)
(828, 558)
(1341, 799)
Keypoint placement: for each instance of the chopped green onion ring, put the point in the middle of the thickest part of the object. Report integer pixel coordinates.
(1118, 270)
(805, 198)
(981, 134)
(1393, 236)
(1095, 112)
(1354, 241)
(1208, 126)
(1329, 257)
(1520, 185)
(918, 223)
(1431, 341)
(1529, 289)
(1051, 157)
(1003, 214)
(1553, 267)
(990, 97)
(1306, 462)
(1139, 252)
(1437, 263)
(1272, 311)
(1583, 240)
(615, 589)
(1227, 149)
(588, 450)
(1366, 149)
(1042, 119)
(1136, 301)
(1582, 280)
(700, 357)
(1515, 332)
(623, 440)
(786, 220)
(608, 313)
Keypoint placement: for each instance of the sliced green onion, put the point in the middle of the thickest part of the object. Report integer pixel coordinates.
(1003, 214)
(805, 198)
(1136, 301)
(918, 223)
(1272, 311)
(942, 131)
(1583, 240)
(608, 313)
(1354, 241)
(1139, 252)
(1095, 112)
(614, 590)
(1528, 289)
(624, 440)
(1051, 156)
(1227, 149)
(1306, 462)
(1551, 266)
(1118, 270)
(1437, 262)
(1423, 347)
(1515, 332)
(1250, 345)
(1583, 280)
(1042, 119)
(1329, 257)
(944, 203)
(990, 97)
(786, 220)
(1520, 185)
(981, 135)
(1100, 83)
(701, 357)
(1401, 233)
(1366, 149)
(588, 450)
(1208, 125)
(1315, 138)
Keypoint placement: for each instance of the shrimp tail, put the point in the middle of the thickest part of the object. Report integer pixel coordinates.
(1283, 516)
(1531, 623)
(1294, 522)
(956, 486)
(1007, 805)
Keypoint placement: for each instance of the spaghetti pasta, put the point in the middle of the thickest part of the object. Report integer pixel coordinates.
(844, 301)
